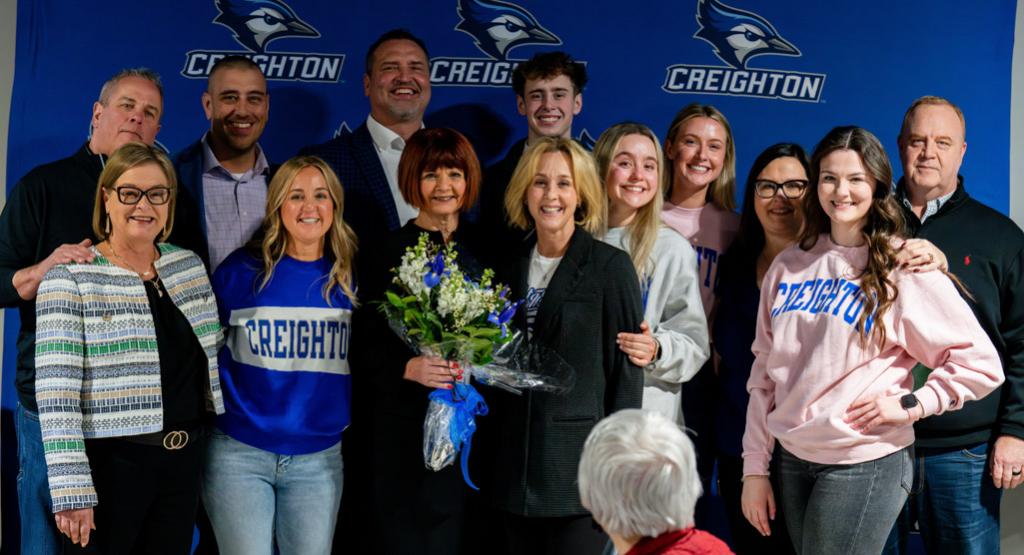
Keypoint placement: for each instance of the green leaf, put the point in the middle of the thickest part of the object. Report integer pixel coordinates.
(394, 299)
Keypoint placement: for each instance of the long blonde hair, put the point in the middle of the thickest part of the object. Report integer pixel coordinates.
(722, 191)
(643, 230)
(592, 210)
(340, 243)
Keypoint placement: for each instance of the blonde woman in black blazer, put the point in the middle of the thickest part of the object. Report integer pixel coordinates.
(580, 293)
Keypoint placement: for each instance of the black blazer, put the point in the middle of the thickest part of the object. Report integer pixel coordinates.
(593, 295)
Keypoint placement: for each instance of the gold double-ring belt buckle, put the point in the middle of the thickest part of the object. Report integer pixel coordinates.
(175, 440)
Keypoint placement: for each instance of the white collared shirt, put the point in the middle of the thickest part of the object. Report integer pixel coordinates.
(389, 146)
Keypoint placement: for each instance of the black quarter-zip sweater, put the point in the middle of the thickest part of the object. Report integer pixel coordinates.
(985, 249)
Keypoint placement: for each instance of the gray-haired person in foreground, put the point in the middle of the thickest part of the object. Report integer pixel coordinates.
(638, 477)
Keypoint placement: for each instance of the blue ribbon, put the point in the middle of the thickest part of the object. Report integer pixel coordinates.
(467, 403)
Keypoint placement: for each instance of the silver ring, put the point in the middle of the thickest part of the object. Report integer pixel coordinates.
(1015, 472)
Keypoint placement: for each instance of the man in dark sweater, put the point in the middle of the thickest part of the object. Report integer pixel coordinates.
(48, 221)
(965, 458)
(549, 92)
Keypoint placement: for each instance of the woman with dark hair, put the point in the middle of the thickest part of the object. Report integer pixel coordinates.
(769, 223)
(415, 509)
(580, 293)
(840, 327)
(286, 300)
(126, 370)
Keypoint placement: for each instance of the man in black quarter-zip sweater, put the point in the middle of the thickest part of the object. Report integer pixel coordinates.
(48, 221)
(966, 458)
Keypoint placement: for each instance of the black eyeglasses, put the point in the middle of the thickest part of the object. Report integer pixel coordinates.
(792, 189)
(132, 195)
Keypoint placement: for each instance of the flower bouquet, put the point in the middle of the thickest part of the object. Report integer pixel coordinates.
(439, 311)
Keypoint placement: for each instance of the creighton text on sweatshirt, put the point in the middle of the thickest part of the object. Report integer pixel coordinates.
(810, 364)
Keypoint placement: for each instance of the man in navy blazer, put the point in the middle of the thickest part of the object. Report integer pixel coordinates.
(397, 82)
(224, 175)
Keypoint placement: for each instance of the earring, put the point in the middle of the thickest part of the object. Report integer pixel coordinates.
(107, 231)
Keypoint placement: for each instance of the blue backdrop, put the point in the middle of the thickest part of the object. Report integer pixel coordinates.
(833, 63)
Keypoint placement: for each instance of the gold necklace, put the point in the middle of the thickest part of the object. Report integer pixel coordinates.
(155, 281)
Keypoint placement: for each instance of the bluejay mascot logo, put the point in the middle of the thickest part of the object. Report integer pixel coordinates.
(738, 35)
(498, 27)
(257, 22)
(586, 140)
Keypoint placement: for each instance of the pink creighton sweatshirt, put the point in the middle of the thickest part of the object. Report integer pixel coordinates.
(810, 364)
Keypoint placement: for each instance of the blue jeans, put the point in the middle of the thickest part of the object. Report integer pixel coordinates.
(39, 534)
(954, 502)
(256, 498)
(843, 509)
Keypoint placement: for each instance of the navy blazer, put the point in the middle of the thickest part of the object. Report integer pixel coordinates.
(189, 210)
(369, 207)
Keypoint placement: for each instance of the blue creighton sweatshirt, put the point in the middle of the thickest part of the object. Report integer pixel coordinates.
(284, 369)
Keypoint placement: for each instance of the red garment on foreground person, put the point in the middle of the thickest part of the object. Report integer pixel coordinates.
(690, 541)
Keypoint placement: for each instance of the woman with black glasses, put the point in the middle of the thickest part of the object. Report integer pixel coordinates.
(771, 218)
(126, 370)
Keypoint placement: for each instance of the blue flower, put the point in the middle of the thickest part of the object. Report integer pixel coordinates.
(433, 276)
(504, 317)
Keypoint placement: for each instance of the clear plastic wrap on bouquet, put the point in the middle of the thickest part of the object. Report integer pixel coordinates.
(521, 364)
(515, 366)
(449, 425)
(511, 363)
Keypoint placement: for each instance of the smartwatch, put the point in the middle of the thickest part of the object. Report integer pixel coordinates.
(909, 401)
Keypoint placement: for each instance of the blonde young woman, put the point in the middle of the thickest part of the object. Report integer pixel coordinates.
(699, 205)
(126, 370)
(580, 293)
(273, 473)
(674, 344)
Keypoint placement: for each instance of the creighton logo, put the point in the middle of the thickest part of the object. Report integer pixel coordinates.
(736, 36)
(255, 23)
(497, 28)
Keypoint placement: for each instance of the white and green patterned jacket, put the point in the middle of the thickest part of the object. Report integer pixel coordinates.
(97, 364)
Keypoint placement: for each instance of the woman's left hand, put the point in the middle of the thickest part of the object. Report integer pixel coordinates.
(641, 348)
(865, 414)
(921, 255)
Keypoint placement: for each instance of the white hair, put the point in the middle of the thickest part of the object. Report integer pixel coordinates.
(638, 475)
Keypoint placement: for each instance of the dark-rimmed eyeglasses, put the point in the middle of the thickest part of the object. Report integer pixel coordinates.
(792, 189)
(132, 195)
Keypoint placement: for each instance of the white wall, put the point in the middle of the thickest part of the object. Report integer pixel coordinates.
(1013, 501)
(8, 24)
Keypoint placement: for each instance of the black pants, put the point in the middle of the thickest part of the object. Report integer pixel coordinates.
(415, 510)
(147, 497)
(745, 538)
(570, 535)
(698, 417)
